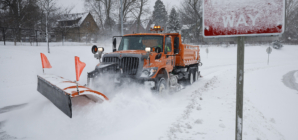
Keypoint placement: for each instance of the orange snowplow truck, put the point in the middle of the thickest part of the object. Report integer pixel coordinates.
(158, 60)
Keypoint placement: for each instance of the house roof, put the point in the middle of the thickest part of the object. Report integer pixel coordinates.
(71, 17)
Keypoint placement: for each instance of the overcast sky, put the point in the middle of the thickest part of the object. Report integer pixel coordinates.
(79, 4)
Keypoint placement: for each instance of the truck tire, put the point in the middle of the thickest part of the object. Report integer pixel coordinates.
(190, 79)
(196, 76)
(161, 86)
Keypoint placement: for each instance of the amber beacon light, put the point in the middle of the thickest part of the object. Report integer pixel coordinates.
(156, 29)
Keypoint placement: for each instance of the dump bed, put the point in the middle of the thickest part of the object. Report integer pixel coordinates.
(188, 55)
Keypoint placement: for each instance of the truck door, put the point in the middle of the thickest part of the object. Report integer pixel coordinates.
(169, 54)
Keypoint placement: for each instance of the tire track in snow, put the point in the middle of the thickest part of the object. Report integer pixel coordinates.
(11, 108)
(185, 126)
(181, 125)
(4, 135)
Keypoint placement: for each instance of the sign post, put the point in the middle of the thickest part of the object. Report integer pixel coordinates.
(268, 50)
(242, 20)
(239, 87)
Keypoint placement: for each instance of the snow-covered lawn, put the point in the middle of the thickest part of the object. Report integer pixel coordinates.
(296, 77)
(205, 110)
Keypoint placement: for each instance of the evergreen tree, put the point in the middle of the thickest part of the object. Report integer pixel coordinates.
(174, 24)
(160, 15)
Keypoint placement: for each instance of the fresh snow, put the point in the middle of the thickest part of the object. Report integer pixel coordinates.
(296, 76)
(205, 110)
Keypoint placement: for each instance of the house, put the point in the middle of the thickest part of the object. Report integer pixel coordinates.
(41, 36)
(77, 27)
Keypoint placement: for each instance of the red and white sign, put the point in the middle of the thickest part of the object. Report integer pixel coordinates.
(230, 18)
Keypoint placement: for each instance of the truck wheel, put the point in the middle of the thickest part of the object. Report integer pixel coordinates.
(190, 78)
(161, 86)
(196, 76)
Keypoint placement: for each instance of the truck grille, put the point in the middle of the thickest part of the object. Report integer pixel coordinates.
(129, 65)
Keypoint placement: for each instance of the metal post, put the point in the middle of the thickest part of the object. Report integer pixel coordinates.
(3, 32)
(268, 56)
(268, 59)
(121, 14)
(239, 88)
(78, 88)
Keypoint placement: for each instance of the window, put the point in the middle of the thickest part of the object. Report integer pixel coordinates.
(140, 42)
(168, 44)
(69, 23)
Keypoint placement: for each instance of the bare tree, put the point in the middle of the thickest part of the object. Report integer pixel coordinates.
(104, 11)
(191, 14)
(142, 11)
(128, 8)
(109, 7)
(19, 14)
(61, 27)
(291, 22)
(96, 8)
(48, 6)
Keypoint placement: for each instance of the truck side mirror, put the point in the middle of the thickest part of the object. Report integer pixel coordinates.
(176, 45)
(114, 44)
(94, 49)
(157, 50)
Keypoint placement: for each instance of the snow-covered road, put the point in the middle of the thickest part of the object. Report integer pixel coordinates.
(205, 110)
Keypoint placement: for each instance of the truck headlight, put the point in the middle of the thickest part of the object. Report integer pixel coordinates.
(101, 49)
(149, 72)
(148, 49)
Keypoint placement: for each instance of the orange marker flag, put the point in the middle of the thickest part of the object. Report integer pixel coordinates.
(45, 62)
(79, 67)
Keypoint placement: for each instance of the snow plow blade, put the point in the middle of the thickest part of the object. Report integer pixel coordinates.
(60, 92)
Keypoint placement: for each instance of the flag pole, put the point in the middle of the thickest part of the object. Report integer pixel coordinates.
(78, 88)
(43, 70)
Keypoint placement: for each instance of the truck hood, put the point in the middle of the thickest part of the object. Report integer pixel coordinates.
(143, 52)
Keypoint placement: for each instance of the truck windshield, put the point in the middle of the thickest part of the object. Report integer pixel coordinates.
(140, 42)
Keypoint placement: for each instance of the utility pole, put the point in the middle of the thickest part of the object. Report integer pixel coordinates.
(239, 88)
(121, 15)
